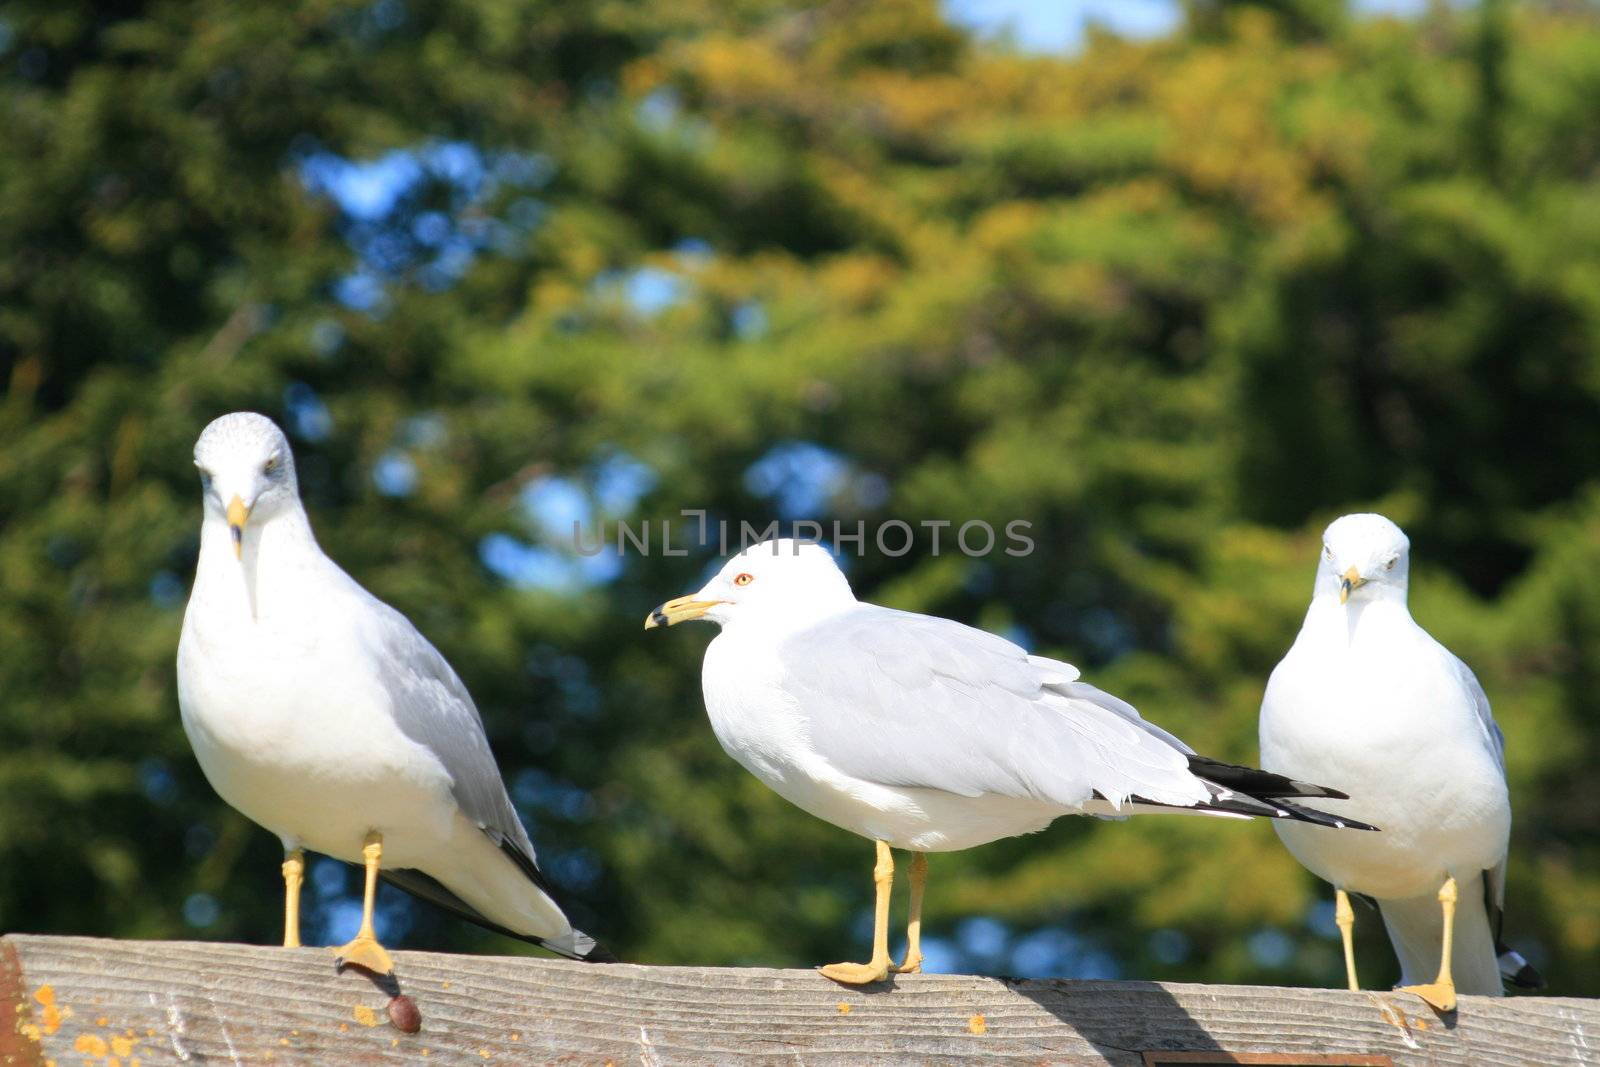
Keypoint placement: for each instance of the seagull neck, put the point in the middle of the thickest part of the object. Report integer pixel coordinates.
(1347, 622)
(792, 619)
(270, 550)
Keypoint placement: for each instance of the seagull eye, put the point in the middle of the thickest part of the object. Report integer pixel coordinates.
(1392, 561)
(1327, 553)
(205, 479)
(270, 465)
(744, 579)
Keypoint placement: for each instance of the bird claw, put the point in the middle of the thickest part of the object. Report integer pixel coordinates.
(912, 965)
(856, 973)
(365, 952)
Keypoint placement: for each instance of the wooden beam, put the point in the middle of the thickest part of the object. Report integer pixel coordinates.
(73, 1000)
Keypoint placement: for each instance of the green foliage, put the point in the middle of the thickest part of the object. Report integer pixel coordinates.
(1176, 303)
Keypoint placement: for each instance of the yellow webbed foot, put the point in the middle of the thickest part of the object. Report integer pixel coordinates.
(857, 973)
(1441, 992)
(877, 969)
(1442, 995)
(912, 964)
(365, 952)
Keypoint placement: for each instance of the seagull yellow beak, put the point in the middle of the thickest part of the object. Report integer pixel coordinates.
(238, 515)
(681, 610)
(1352, 581)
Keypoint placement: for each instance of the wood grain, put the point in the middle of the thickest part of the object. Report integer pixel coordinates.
(81, 1000)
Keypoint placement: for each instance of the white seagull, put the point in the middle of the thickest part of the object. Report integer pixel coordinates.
(923, 734)
(320, 713)
(1366, 700)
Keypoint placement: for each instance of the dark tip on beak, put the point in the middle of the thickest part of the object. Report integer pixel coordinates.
(1344, 589)
(238, 513)
(660, 618)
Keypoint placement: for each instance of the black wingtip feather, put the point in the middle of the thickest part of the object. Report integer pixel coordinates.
(1513, 968)
(1256, 782)
(1528, 978)
(425, 887)
(1301, 813)
(599, 954)
(1278, 808)
(1516, 970)
(1236, 803)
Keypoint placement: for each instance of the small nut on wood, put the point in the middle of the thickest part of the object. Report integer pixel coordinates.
(405, 1016)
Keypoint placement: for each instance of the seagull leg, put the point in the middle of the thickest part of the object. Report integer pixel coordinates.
(1441, 992)
(365, 951)
(1344, 917)
(919, 879)
(877, 969)
(294, 869)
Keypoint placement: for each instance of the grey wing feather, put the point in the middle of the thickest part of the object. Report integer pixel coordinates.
(901, 699)
(1495, 741)
(1495, 877)
(1513, 967)
(1099, 697)
(1492, 737)
(433, 708)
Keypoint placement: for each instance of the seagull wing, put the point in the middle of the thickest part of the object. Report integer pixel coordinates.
(1493, 739)
(1513, 968)
(433, 708)
(902, 699)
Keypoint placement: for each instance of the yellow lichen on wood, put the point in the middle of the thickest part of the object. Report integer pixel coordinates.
(91, 1045)
(51, 1015)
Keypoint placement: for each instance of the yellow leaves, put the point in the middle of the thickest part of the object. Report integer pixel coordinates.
(907, 35)
(857, 280)
(1224, 104)
(746, 69)
(1335, 137)
(1007, 225)
(642, 76)
(912, 106)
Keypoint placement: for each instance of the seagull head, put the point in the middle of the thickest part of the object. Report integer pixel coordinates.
(1364, 557)
(785, 581)
(246, 472)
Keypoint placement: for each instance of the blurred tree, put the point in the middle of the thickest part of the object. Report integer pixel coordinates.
(502, 267)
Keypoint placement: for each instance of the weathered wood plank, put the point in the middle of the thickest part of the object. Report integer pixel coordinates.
(82, 1000)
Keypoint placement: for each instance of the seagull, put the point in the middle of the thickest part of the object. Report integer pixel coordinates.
(923, 734)
(1367, 700)
(321, 713)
